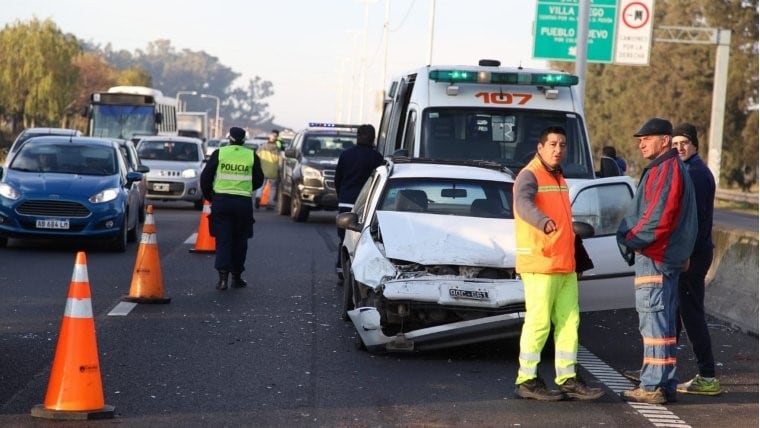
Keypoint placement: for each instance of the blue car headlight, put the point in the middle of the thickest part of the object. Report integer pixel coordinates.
(189, 173)
(7, 191)
(106, 195)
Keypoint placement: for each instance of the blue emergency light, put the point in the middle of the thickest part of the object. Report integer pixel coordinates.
(506, 78)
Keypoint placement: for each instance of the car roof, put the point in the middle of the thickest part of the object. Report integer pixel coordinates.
(52, 131)
(462, 170)
(49, 139)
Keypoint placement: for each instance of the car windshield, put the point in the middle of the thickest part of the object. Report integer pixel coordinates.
(179, 151)
(461, 197)
(328, 146)
(66, 159)
(501, 135)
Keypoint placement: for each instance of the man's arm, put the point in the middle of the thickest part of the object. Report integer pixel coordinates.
(208, 174)
(526, 187)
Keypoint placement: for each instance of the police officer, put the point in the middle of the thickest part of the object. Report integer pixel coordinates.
(228, 180)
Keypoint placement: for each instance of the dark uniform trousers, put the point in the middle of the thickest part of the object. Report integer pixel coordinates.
(232, 226)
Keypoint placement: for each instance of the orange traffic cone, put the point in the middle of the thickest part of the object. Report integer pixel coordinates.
(147, 285)
(265, 194)
(75, 390)
(204, 242)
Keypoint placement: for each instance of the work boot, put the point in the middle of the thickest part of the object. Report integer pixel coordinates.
(537, 390)
(576, 388)
(238, 281)
(639, 395)
(223, 277)
(632, 375)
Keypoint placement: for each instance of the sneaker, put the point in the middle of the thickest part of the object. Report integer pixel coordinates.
(701, 386)
(537, 390)
(576, 388)
(640, 396)
(632, 375)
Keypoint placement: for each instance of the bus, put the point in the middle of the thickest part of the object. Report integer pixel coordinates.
(130, 112)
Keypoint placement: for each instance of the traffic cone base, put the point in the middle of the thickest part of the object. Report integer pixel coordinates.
(39, 411)
(75, 390)
(147, 285)
(204, 242)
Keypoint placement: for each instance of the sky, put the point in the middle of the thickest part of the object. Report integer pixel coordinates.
(326, 59)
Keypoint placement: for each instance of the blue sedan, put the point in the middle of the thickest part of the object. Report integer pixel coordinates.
(63, 187)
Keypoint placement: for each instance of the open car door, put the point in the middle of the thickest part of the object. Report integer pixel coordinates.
(603, 203)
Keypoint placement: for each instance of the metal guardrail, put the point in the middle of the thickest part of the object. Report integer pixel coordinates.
(736, 196)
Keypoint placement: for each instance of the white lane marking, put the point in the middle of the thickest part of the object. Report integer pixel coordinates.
(192, 238)
(122, 309)
(658, 415)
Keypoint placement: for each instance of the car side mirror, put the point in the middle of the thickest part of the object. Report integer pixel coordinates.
(290, 153)
(143, 169)
(583, 229)
(348, 221)
(133, 176)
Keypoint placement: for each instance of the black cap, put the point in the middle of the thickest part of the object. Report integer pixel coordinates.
(237, 134)
(655, 126)
(689, 131)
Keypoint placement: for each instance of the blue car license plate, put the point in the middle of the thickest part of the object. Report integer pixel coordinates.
(52, 224)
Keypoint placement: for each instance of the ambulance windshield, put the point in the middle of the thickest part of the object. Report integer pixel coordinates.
(501, 135)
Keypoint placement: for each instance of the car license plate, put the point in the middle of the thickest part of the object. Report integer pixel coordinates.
(468, 294)
(52, 224)
(161, 187)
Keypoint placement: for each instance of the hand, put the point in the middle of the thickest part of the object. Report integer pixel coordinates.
(550, 227)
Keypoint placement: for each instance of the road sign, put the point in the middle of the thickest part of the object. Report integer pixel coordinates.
(556, 28)
(634, 34)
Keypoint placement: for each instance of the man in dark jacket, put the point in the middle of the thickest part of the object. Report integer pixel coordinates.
(691, 283)
(228, 180)
(355, 165)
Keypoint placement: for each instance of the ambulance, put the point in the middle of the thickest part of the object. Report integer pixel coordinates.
(493, 113)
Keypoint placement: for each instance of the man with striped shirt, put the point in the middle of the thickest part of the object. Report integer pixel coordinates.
(658, 235)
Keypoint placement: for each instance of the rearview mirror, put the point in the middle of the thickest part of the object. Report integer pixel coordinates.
(348, 221)
(453, 193)
(583, 229)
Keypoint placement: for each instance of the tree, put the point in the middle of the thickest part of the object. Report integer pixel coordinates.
(247, 107)
(37, 76)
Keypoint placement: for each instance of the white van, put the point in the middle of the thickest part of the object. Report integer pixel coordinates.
(493, 113)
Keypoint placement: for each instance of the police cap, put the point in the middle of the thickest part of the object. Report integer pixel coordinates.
(237, 135)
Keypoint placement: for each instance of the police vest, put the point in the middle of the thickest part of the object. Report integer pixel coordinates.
(536, 251)
(234, 173)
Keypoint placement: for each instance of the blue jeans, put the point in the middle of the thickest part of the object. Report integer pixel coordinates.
(656, 304)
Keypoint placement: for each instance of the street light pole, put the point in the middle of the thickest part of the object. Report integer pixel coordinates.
(217, 131)
(179, 106)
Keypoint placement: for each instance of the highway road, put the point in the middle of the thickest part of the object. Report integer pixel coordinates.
(278, 354)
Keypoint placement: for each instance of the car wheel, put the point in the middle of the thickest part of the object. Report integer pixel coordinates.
(119, 244)
(283, 203)
(298, 212)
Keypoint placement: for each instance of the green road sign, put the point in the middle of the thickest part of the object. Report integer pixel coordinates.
(556, 29)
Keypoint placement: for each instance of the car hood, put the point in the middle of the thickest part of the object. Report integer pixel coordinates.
(321, 163)
(445, 239)
(61, 184)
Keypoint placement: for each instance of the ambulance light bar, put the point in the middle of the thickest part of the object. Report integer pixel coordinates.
(331, 125)
(508, 78)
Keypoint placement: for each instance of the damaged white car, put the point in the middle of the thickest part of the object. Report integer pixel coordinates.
(428, 257)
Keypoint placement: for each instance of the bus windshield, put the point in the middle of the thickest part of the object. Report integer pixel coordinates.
(501, 135)
(122, 121)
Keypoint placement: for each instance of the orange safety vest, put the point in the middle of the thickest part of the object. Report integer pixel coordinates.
(536, 251)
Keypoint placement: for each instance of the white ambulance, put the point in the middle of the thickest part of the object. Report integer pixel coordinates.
(493, 113)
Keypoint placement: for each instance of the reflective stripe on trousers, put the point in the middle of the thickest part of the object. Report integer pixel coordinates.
(549, 299)
(656, 304)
